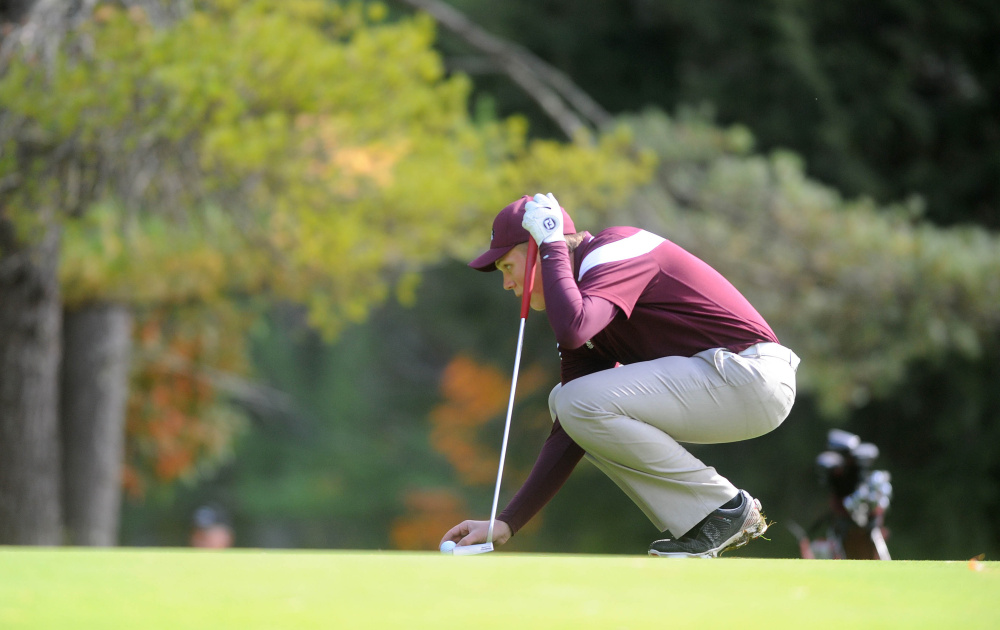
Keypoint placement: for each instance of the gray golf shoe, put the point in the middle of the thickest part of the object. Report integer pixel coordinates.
(720, 531)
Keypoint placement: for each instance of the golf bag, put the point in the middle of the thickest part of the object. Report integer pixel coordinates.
(854, 526)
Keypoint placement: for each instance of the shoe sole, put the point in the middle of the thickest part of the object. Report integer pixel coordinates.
(753, 527)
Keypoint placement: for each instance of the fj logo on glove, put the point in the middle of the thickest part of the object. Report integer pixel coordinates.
(549, 223)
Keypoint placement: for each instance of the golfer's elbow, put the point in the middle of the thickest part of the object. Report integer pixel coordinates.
(570, 339)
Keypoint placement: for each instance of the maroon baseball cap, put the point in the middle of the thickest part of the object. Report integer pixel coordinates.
(508, 232)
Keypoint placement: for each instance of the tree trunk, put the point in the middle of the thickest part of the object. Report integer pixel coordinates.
(97, 345)
(30, 331)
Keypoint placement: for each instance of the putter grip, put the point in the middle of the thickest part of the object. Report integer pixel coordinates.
(529, 277)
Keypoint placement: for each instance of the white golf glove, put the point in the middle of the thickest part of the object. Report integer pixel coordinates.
(543, 219)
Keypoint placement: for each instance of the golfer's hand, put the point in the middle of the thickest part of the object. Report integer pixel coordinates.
(543, 219)
(475, 532)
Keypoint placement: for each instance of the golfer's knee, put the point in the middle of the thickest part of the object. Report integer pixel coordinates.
(572, 406)
(552, 401)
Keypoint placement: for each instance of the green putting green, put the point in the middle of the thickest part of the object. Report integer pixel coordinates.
(247, 589)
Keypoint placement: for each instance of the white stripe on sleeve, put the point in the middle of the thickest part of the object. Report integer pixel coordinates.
(642, 242)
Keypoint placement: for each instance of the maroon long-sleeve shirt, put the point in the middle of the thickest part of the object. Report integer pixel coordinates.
(624, 296)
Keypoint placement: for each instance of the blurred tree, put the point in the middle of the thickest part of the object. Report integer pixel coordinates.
(30, 317)
(881, 98)
(306, 150)
(94, 387)
(29, 365)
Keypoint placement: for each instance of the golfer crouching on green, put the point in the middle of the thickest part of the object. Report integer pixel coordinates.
(657, 349)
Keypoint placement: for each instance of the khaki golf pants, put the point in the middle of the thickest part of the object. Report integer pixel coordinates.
(631, 421)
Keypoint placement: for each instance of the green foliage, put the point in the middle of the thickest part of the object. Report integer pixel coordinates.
(303, 151)
(858, 290)
(154, 260)
(305, 148)
(884, 98)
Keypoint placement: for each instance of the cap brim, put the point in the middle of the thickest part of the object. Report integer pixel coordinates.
(487, 261)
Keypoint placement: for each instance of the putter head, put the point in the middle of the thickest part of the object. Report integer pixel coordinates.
(472, 550)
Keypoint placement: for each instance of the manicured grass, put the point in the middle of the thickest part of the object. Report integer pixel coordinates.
(248, 589)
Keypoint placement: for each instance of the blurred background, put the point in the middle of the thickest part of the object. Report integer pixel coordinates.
(234, 306)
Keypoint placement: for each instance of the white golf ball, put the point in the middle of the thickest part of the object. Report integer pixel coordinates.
(447, 546)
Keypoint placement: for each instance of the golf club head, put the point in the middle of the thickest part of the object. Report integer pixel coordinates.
(472, 550)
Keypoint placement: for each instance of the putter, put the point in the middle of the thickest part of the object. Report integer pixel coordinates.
(527, 286)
